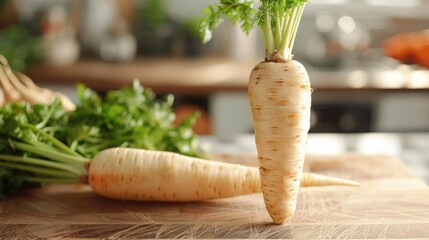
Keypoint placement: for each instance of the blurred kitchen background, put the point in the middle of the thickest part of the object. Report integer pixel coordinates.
(107, 43)
(368, 60)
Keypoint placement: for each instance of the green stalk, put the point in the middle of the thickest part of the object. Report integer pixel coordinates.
(44, 171)
(278, 32)
(51, 154)
(296, 24)
(47, 116)
(42, 162)
(54, 141)
(268, 34)
(285, 30)
(50, 180)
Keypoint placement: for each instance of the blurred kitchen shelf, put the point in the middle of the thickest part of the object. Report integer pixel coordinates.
(218, 87)
(163, 75)
(209, 74)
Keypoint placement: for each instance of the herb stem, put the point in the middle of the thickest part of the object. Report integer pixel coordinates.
(48, 153)
(286, 33)
(296, 24)
(50, 180)
(42, 162)
(33, 169)
(47, 116)
(54, 141)
(269, 39)
(278, 28)
(285, 29)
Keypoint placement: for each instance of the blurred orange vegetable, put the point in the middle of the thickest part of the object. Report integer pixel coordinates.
(410, 47)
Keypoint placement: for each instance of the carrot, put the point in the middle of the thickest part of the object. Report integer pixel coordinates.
(279, 93)
(399, 47)
(136, 174)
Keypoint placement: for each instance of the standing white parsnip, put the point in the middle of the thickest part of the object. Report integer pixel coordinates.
(280, 99)
(279, 93)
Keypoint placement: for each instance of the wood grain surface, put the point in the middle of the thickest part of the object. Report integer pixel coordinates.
(391, 203)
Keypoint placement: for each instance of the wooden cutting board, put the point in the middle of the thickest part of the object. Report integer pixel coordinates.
(391, 203)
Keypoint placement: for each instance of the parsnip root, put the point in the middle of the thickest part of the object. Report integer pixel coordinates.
(136, 174)
(280, 99)
(28, 94)
(10, 93)
(17, 86)
(2, 97)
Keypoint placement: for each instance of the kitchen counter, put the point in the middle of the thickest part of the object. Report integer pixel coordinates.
(390, 203)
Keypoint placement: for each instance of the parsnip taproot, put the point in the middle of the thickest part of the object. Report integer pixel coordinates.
(136, 174)
(66, 102)
(28, 94)
(2, 97)
(18, 86)
(10, 93)
(280, 99)
(3, 61)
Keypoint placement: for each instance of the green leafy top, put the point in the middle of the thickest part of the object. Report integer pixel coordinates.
(236, 10)
(278, 20)
(30, 153)
(129, 117)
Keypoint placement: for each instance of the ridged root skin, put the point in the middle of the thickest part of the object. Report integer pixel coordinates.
(136, 174)
(280, 100)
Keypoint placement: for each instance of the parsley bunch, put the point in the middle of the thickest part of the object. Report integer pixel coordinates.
(129, 117)
(30, 152)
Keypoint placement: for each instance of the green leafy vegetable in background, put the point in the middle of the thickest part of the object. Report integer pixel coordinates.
(2, 4)
(20, 47)
(153, 12)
